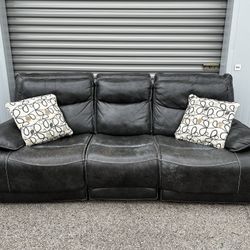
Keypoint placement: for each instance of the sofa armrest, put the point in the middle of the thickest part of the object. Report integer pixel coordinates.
(10, 136)
(243, 158)
(238, 138)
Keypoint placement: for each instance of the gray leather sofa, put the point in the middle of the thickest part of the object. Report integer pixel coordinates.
(123, 145)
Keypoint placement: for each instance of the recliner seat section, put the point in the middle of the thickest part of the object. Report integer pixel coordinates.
(122, 161)
(53, 169)
(188, 168)
(122, 167)
(123, 147)
(190, 171)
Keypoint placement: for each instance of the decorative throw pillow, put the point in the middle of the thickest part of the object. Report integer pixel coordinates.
(206, 121)
(39, 119)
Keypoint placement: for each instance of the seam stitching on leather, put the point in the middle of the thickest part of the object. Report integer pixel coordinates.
(156, 145)
(120, 146)
(85, 165)
(170, 146)
(239, 177)
(10, 148)
(151, 106)
(91, 188)
(150, 117)
(131, 162)
(160, 159)
(6, 171)
(68, 146)
(228, 163)
(59, 164)
(19, 90)
(122, 103)
(95, 105)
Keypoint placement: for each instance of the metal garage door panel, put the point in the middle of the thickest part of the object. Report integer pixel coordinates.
(116, 35)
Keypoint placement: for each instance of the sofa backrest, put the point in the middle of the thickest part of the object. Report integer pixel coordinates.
(123, 104)
(171, 93)
(74, 92)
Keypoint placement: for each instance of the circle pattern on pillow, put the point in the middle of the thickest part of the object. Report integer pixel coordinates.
(39, 119)
(206, 121)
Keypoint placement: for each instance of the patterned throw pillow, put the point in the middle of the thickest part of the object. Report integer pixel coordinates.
(39, 119)
(206, 121)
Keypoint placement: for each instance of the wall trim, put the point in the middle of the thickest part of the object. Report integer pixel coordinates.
(235, 52)
(7, 49)
(7, 78)
(230, 34)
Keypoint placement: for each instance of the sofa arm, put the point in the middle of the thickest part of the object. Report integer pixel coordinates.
(243, 158)
(10, 136)
(238, 138)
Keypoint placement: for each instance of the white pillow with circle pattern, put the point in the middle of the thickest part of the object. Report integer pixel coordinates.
(39, 119)
(206, 121)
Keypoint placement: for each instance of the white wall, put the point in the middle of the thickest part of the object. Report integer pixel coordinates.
(237, 51)
(6, 68)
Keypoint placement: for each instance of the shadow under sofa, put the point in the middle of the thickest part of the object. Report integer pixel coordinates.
(123, 147)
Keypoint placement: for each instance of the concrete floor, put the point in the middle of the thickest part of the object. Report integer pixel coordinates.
(124, 225)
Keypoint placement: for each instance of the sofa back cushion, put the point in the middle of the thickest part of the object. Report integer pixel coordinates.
(123, 104)
(171, 93)
(74, 92)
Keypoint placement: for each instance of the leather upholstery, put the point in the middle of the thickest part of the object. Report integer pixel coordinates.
(123, 104)
(123, 194)
(118, 162)
(74, 92)
(244, 163)
(43, 197)
(204, 197)
(191, 168)
(4, 154)
(57, 166)
(122, 75)
(238, 138)
(10, 136)
(171, 93)
(123, 160)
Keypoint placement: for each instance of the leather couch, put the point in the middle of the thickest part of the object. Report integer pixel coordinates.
(123, 147)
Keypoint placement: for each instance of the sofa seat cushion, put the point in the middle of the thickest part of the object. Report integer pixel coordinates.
(191, 168)
(122, 162)
(57, 166)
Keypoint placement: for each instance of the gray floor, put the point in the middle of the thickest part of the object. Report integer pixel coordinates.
(124, 225)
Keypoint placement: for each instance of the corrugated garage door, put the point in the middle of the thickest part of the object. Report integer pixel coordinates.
(170, 35)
